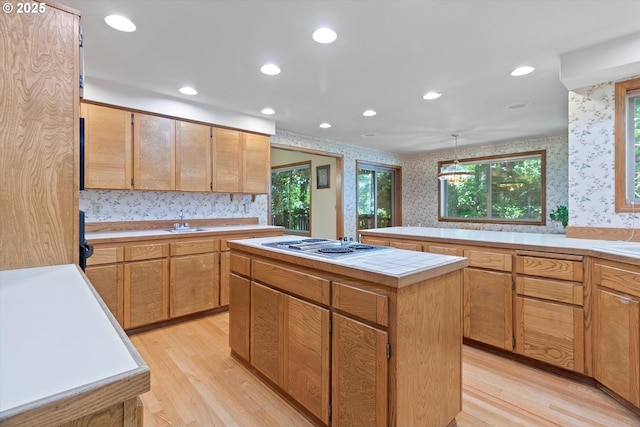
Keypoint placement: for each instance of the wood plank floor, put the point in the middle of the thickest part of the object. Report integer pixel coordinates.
(195, 382)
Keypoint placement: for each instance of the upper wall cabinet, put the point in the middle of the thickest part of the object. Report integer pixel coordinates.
(154, 150)
(193, 157)
(125, 150)
(107, 157)
(227, 161)
(256, 164)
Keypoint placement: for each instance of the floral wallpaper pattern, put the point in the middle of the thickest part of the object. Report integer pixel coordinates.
(420, 183)
(591, 159)
(111, 205)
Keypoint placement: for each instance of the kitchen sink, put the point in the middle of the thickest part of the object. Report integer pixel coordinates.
(186, 230)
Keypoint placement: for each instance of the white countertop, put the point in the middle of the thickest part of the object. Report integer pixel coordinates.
(164, 233)
(54, 335)
(531, 241)
(389, 262)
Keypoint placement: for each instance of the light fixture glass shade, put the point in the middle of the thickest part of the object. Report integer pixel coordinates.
(455, 173)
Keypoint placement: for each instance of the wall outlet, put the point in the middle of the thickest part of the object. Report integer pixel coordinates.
(97, 208)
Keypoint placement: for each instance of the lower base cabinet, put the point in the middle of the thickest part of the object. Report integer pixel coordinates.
(146, 298)
(359, 364)
(239, 315)
(108, 280)
(194, 284)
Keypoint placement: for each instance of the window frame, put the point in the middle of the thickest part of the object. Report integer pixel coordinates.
(490, 160)
(294, 166)
(622, 140)
(397, 189)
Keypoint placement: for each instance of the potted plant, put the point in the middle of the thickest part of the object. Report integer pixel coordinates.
(561, 214)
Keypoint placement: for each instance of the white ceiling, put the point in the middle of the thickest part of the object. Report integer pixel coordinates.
(387, 56)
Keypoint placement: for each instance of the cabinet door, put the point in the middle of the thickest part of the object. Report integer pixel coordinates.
(550, 332)
(306, 356)
(359, 374)
(108, 280)
(146, 297)
(488, 307)
(239, 315)
(107, 147)
(267, 331)
(225, 271)
(193, 157)
(227, 161)
(256, 168)
(617, 344)
(194, 284)
(154, 140)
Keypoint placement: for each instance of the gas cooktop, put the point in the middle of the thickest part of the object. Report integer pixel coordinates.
(326, 247)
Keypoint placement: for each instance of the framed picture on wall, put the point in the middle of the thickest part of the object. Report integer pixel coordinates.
(322, 177)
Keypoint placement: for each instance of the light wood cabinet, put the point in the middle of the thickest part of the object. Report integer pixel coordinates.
(108, 280)
(225, 272)
(39, 138)
(193, 157)
(549, 314)
(617, 328)
(107, 148)
(239, 315)
(256, 167)
(410, 246)
(488, 307)
(194, 277)
(227, 160)
(267, 332)
(360, 372)
(146, 296)
(154, 142)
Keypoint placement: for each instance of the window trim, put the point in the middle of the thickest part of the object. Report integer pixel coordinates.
(622, 203)
(397, 189)
(489, 159)
(294, 166)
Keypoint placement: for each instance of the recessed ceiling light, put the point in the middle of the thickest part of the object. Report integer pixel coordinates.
(369, 113)
(120, 23)
(369, 135)
(521, 71)
(325, 125)
(270, 69)
(268, 111)
(188, 90)
(431, 95)
(324, 35)
(517, 106)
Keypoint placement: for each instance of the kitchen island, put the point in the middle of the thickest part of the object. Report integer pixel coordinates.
(64, 359)
(371, 338)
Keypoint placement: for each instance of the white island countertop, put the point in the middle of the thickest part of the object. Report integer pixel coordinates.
(60, 349)
(391, 267)
(617, 250)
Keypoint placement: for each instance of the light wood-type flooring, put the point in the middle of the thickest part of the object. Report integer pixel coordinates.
(195, 382)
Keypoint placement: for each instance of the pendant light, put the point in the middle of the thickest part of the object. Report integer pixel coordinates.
(455, 173)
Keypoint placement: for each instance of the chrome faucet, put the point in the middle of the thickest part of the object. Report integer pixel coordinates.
(181, 224)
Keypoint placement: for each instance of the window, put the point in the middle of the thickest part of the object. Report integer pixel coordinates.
(291, 197)
(502, 189)
(378, 196)
(627, 136)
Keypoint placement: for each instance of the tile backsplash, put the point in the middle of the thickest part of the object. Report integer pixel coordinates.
(113, 205)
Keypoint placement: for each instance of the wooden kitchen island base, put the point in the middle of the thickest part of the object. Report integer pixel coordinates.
(348, 341)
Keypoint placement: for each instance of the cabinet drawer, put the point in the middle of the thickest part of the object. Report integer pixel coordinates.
(490, 260)
(142, 252)
(410, 246)
(377, 242)
(294, 282)
(106, 256)
(240, 265)
(550, 267)
(194, 247)
(554, 290)
(365, 304)
(444, 250)
(617, 277)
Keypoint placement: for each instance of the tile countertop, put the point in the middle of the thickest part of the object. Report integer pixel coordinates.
(392, 267)
(96, 237)
(56, 338)
(616, 250)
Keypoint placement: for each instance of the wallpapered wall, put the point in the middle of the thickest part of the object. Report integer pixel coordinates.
(591, 159)
(420, 197)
